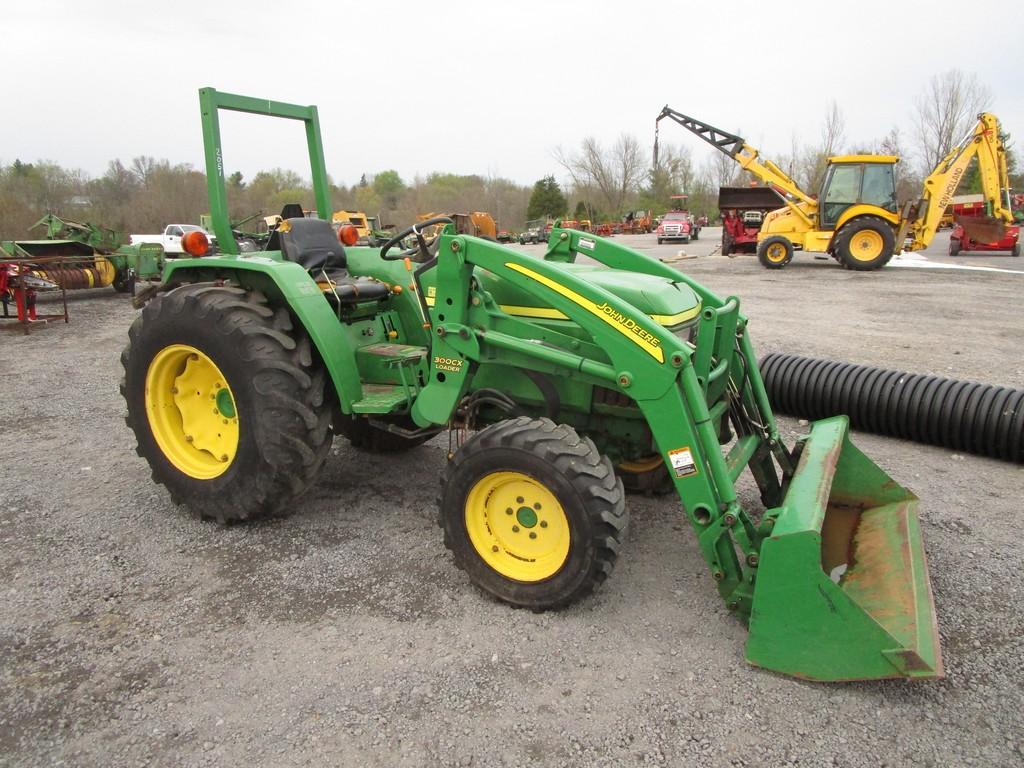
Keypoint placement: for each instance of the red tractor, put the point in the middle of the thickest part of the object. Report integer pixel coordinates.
(743, 210)
(973, 232)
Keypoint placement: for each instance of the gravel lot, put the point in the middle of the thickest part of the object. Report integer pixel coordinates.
(134, 634)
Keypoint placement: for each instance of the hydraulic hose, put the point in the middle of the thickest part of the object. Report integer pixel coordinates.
(966, 416)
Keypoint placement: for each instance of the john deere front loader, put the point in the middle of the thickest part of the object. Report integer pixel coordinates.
(551, 376)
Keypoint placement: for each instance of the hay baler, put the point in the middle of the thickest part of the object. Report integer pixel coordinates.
(548, 374)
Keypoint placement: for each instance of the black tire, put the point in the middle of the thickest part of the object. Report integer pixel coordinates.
(954, 246)
(696, 234)
(726, 244)
(659, 241)
(1015, 251)
(775, 252)
(843, 243)
(567, 466)
(281, 398)
(366, 437)
(123, 283)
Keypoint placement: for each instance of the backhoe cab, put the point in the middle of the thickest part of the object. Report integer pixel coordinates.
(855, 216)
(556, 382)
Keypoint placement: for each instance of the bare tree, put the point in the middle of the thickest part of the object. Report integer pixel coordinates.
(945, 112)
(815, 159)
(721, 170)
(615, 173)
(143, 167)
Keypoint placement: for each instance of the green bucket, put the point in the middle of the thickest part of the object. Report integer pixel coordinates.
(842, 589)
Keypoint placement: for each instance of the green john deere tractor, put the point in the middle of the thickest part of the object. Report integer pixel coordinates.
(243, 367)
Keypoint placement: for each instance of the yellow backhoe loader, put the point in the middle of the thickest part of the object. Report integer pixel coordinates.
(856, 218)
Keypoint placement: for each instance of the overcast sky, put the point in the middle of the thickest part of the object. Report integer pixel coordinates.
(478, 87)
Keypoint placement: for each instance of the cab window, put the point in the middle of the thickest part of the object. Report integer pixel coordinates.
(842, 189)
(879, 187)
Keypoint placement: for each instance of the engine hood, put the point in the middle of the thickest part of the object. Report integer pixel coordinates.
(667, 303)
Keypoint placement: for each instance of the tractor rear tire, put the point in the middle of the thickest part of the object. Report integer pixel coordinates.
(266, 389)
(533, 513)
(726, 244)
(864, 244)
(367, 437)
(775, 252)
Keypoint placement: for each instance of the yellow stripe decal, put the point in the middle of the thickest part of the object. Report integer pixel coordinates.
(680, 317)
(624, 325)
(553, 314)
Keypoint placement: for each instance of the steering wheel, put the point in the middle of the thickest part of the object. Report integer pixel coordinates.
(422, 247)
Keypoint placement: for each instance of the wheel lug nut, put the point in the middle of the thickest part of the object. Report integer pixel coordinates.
(515, 529)
(215, 411)
(223, 457)
(508, 511)
(533, 535)
(519, 499)
(188, 438)
(537, 506)
(174, 390)
(543, 523)
(494, 548)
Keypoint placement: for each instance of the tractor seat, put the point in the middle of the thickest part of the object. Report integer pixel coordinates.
(313, 245)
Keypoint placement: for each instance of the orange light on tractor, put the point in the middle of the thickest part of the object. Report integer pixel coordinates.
(195, 243)
(348, 234)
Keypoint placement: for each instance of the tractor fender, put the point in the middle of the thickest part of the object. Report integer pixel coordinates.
(288, 284)
(854, 211)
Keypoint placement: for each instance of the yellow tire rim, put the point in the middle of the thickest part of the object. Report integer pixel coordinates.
(776, 253)
(517, 526)
(191, 411)
(866, 245)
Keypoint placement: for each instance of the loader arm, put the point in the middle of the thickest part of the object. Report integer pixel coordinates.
(749, 158)
(983, 142)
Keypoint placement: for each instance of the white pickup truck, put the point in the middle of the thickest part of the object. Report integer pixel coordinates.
(171, 237)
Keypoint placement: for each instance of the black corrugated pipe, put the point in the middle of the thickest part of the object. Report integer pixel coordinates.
(962, 415)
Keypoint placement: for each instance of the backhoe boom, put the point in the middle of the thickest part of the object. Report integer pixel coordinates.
(983, 142)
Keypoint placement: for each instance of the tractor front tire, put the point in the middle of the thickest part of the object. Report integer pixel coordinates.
(533, 513)
(726, 244)
(227, 400)
(1015, 251)
(954, 247)
(864, 244)
(775, 252)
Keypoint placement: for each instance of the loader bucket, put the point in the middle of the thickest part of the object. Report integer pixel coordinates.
(842, 590)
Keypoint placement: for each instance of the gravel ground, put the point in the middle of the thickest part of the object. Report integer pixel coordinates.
(134, 634)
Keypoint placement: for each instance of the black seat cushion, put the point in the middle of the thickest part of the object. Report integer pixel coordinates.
(352, 290)
(312, 243)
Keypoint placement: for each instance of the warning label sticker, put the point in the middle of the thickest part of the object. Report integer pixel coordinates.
(682, 462)
(588, 244)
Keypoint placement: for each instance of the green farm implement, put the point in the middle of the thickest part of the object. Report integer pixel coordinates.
(78, 255)
(553, 375)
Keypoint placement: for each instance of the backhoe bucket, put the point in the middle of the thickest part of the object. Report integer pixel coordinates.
(983, 229)
(842, 589)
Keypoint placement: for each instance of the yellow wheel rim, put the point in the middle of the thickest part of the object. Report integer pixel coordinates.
(191, 411)
(866, 245)
(776, 252)
(517, 526)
